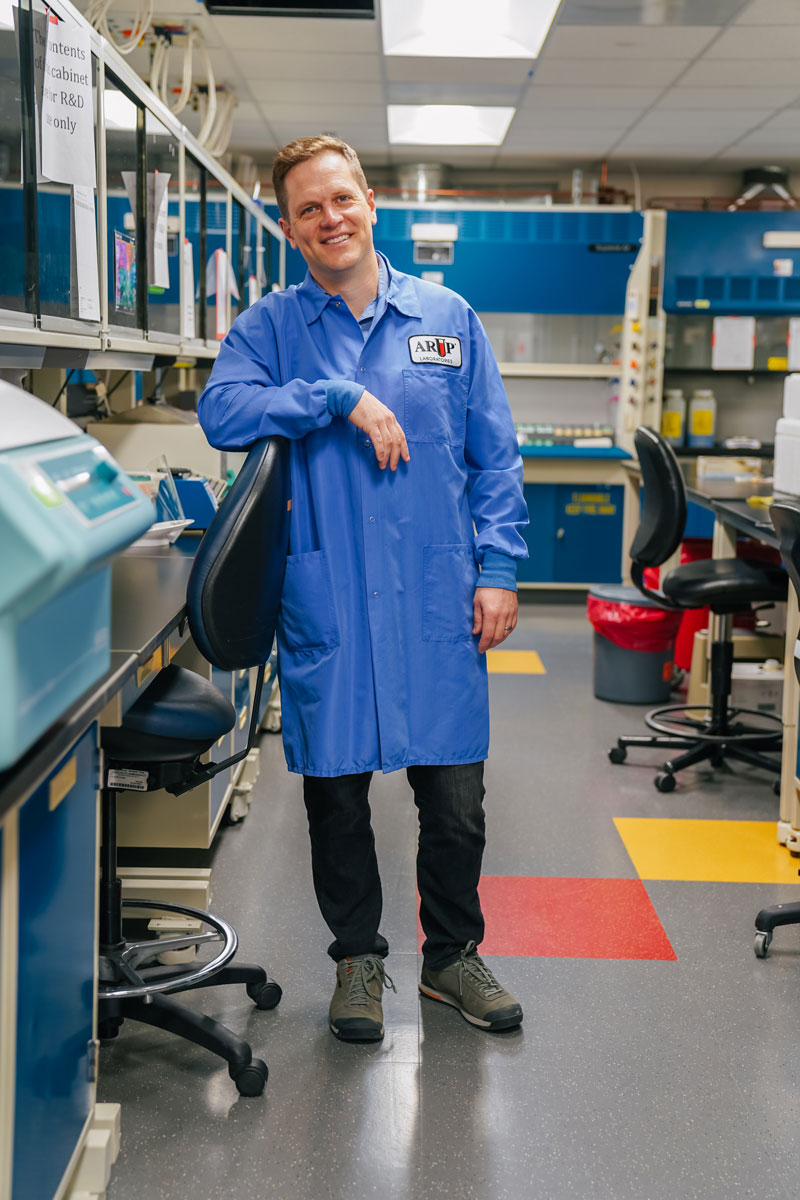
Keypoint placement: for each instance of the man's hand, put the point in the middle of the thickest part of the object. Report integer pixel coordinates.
(380, 425)
(495, 611)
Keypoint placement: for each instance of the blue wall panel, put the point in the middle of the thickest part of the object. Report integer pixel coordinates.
(717, 263)
(517, 261)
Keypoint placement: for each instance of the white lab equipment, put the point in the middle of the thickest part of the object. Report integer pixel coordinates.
(673, 416)
(65, 509)
(702, 418)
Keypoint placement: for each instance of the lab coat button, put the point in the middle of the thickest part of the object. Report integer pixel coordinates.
(372, 520)
(367, 442)
(376, 594)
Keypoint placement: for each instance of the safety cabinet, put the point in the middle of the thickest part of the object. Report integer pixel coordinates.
(54, 1055)
(575, 533)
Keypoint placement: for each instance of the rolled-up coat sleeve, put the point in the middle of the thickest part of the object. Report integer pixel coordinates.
(491, 453)
(244, 401)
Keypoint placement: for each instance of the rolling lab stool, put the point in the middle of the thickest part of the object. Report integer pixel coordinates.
(232, 604)
(726, 585)
(785, 516)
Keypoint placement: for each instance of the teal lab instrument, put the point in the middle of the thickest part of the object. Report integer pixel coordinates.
(65, 508)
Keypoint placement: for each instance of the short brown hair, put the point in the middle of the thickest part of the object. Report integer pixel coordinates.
(301, 150)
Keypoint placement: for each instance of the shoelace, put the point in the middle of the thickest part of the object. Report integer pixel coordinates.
(474, 966)
(361, 973)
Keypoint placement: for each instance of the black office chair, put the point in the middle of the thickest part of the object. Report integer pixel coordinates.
(785, 516)
(727, 586)
(232, 605)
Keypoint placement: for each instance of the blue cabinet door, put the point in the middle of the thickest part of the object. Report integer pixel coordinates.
(57, 865)
(539, 534)
(588, 533)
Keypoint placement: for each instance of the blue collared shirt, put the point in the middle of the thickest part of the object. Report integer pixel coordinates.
(379, 668)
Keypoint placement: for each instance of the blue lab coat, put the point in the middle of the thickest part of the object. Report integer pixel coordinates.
(378, 666)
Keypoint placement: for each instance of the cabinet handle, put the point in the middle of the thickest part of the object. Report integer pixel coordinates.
(559, 533)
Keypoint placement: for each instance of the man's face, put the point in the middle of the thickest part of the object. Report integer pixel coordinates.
(330, 219)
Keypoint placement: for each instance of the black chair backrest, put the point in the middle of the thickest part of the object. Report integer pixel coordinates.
(785, 516)
(663, 517)
(235, 586)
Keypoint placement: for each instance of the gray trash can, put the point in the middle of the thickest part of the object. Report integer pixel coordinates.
(629, 676)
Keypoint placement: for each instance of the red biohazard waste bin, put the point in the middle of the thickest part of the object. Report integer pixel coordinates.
(633, 645)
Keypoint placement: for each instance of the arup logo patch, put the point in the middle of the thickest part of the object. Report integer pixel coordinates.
(435, 348)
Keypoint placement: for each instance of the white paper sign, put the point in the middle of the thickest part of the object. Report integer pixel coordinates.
(67, 116)
(794, 344)
(733, 343)
(188, 290)
(86, 253)
(221, 289)
(129, 181)
(157, 205)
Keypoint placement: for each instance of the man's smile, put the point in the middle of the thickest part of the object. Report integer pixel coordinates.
(334, 241)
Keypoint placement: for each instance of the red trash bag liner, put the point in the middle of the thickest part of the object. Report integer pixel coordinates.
(632, 626)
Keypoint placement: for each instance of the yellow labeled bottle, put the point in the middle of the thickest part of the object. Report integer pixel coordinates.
(702, 417)
(673, 416)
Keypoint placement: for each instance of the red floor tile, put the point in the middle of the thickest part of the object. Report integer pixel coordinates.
(545, 917)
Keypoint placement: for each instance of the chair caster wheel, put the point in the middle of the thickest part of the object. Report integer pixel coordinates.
(250, 1079)
(618, 754)
(265, 995)
(665, 781)
(761, 944)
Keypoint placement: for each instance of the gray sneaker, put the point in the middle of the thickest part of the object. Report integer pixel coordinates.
(469, 985)
(356, 1012)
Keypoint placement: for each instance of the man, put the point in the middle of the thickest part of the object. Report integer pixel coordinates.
(406, 477)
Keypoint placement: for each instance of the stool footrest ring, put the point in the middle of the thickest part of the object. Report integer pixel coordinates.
(699, 729)
(121, 963)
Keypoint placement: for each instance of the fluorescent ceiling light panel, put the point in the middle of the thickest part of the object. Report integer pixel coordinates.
(466, 28)
(447, 125)
(119, 111)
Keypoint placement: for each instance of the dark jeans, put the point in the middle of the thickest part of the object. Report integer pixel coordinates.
(451, 841)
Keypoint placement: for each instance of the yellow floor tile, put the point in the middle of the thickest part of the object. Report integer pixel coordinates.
(514, 662)
(712, 851)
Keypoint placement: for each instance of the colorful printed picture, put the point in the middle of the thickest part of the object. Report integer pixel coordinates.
(125, 272)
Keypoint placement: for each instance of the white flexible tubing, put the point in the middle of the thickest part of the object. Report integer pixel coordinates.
(159, 74)
(220, 136)
(211, 83)
(144, 15)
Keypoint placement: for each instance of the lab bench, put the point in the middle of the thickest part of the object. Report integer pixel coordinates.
(727, 501)
(49, 843)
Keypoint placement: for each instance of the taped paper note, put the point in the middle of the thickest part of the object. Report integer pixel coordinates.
(733, 344)
(67, 116)
(157, 206)
(86, 253)
(188, 290)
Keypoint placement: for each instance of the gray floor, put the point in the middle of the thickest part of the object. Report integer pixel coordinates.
(629, 1080)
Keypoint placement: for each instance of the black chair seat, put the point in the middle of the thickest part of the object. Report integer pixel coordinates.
(726, 585)
(179, 716)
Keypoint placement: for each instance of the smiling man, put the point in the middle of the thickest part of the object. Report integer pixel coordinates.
(407, 512)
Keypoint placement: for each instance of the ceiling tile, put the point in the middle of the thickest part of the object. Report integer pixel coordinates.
(539, 96)
(342, 92)
(584, 72)
(746, 42)
(588, 118)
(645, 148)
(628, 41)
(649, 12)
(256, 64)
(452, 93)
(714, 121)
(770, 12)
(464, 71)
(727, 98)
(321, 114)
(764, 72)
(303, 35)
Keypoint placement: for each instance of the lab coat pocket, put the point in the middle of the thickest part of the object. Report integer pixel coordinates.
(449, 576)
(435, 405)
(308, 614)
